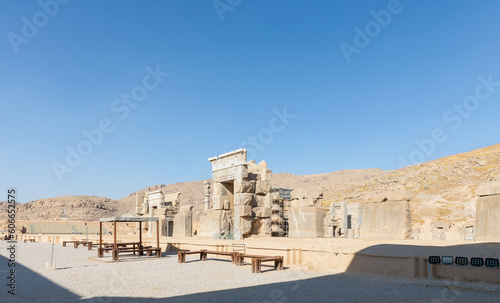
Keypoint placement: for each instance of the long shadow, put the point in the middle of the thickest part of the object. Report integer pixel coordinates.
(330, 288)
(410, 261)
(30, 286)
(343, 287)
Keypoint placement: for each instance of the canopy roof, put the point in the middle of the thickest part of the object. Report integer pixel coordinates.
(129, 219)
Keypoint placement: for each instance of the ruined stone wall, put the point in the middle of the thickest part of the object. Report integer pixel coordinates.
(386, 216)
(488, 212)
(183, 224)
(306, 216)
(306, 222)
(241, 199)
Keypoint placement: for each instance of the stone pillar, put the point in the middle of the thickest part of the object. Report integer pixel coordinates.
(488, 212)
(183, 225)
(206, 191)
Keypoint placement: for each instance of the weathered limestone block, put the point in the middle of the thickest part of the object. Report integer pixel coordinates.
(244, 199)
(263, 187)
(266, 175)
(306, 222)
(488, 218)
(261, 226)
(207, 224)
(252, 167)
(260, 201)
(218, 201)
(217, 189)
(245, 226)
(268, 200)
(265, 227)
(243, 211)
(245, 187)
(488, 189)
(262, 165)
(139, 203)
(386, 220)
(252, 177)
(241, 173)
(262, 212)
(183, 224)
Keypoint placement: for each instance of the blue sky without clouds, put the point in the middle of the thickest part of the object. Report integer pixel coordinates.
(232, 65)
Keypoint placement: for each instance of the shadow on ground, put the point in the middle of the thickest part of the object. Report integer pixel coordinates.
(351, 287)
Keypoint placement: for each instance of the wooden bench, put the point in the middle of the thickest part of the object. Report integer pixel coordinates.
(89, 244)
(181, 255)
(77, 243)
(257, 263)
(233, 254)
(132, 247)
(149, 250)
(29, 240)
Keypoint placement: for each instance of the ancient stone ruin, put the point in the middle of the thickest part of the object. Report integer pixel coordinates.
(488, 212)
(240, 201)
(306, 215)
(387, 216)
(173, 220)
(241, 198)
(344, 220)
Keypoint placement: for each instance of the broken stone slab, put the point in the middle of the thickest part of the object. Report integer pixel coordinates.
(488, 189)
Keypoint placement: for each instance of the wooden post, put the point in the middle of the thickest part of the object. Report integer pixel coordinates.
(140, 233)
(99, 251)
(114, 235)
(158, 233)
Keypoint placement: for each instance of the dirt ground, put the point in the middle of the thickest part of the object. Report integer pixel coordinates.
(80, 277)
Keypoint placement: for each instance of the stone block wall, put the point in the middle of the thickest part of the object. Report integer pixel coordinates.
(306, 222)
(386, 219)
(488, 212)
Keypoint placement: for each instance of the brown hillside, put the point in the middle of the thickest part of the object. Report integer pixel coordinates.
(443, 189)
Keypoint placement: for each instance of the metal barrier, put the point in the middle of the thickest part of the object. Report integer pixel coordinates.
(463, 262)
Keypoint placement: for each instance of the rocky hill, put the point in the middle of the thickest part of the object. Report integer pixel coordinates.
(443, 189)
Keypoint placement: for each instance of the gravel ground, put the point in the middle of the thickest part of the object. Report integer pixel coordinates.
(80, 278)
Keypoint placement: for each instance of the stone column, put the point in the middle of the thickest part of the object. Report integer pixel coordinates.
(206, 191)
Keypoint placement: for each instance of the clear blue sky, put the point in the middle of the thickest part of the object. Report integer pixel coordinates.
(230, 68)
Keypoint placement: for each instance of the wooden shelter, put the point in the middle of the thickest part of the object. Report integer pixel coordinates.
(133, 247)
